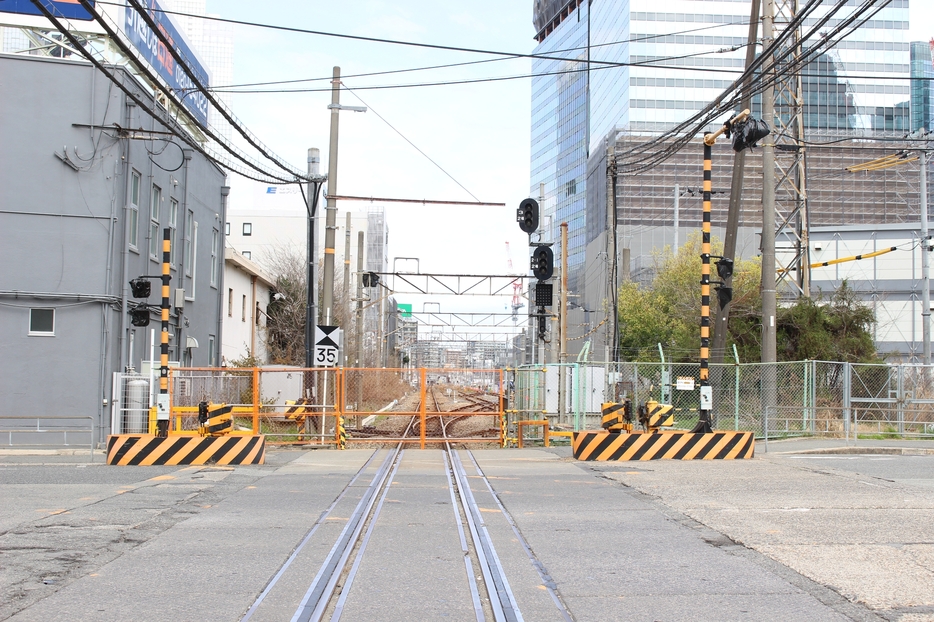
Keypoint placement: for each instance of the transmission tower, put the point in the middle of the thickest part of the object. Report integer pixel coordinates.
(791, 199)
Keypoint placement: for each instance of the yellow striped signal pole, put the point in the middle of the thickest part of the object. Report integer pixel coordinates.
(162, 417)
(743, 140)
(703, 425)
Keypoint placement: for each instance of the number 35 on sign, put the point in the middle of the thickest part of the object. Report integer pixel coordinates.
(327, 345)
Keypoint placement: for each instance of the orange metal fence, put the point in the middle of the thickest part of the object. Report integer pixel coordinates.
(296, 405)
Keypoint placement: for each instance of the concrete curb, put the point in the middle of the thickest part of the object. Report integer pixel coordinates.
(891, 451)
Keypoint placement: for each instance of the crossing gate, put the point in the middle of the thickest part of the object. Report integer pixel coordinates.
(669, 445)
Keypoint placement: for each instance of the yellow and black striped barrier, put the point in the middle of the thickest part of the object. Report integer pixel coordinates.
(656, 415)
(717, 445)
(214, 419)
(341, 433)
(150, 450)
(617, 416)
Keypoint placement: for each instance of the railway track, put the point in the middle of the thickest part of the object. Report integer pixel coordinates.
(334, 586)
(457, 417)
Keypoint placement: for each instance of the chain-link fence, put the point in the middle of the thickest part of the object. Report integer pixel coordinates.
(778, 400)
(303, 405)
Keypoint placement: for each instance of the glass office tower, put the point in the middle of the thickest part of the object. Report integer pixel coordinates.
(922, 85)
(652, 65)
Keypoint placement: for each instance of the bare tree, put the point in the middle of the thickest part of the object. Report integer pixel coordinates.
(287, 310)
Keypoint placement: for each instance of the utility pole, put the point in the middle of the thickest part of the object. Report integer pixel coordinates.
(358, 338)
(674, 246)
(721, 324)
(327, 296)
(311, 309)
(612, 342)
(346, 280)
(925, 262)
(358, 329)
(767, 285)
(563, 323)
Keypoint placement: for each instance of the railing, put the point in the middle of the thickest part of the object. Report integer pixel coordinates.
(48, 431)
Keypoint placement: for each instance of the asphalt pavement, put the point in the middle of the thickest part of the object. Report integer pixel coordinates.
(794, 534)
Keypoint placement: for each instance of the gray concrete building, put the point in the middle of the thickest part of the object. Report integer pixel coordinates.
(88, 182)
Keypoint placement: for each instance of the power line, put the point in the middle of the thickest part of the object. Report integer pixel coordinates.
(466, 63)
(524, 76)
(410, 142)
(432, 46)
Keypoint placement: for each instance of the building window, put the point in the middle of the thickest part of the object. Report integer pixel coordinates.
(42, 322)
(227, 229)
(247, 254)
(189, 241)
(214, 238)
(154, 221)
(230, 302)
(212, 353)
(247, 228)
(243, 310)
(173, 225)
(134, 209)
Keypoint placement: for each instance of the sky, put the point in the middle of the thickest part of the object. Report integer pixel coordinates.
(478, 133)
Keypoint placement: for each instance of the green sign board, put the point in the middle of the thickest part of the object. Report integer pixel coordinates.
(405, 310)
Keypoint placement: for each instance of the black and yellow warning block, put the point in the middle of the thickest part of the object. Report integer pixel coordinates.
(653, 415)
(214, 419)
(341, 433)
(617, 416)
(668, 445)
(150, 450)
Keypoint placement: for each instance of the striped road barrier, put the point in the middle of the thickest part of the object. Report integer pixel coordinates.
(150, 450)
(673, 445)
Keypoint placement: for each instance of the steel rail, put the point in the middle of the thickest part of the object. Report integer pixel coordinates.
(543, 573)
(319, 592)
(348, 581)
(471, 578)
(502, 599)
(288, 562)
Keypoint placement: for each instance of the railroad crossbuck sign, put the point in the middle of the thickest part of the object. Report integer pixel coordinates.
(327, 340)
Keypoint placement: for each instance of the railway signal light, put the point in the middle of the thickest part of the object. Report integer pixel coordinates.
(724, 295)
(544, 294)
(370, 279)
(541, 324)
(543, 263)
(527, 215)
(748, 132)
(141, 288)
(725, 268)
(139, 315)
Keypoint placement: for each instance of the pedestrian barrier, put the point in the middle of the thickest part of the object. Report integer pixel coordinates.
(668, 445)
(149, 450)
(522, 424)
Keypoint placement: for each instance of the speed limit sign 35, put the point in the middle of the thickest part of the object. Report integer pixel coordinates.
(327, 340)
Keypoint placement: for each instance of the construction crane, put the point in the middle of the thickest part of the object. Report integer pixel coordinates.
(516, 287)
